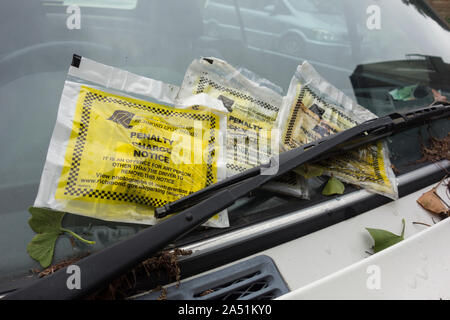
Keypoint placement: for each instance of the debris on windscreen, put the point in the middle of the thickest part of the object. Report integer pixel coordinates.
(438, 96)
(435, 149)
(115, 156)
(47, 224)
(162, 263)
(254, 104)
(314, 109)
(409, 93)
(384, 239)
(433, 202)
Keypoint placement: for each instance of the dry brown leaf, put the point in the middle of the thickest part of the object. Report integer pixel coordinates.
(438, 149)
(438, 97)
(432, 202)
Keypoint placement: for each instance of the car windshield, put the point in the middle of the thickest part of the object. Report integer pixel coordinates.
(365, 48)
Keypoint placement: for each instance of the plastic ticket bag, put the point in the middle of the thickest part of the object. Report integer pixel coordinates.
(115, 157)
(313, 109)
(253, 110)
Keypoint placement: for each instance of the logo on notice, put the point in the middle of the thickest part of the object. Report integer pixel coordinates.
(227, 102)
(122, 117)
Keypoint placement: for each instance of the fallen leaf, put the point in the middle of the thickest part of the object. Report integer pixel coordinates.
(42, 246)
(430, 201)
(45, 220)
(47, 224)
(384, 239)
(437, 149)
(333, 186)
(308, 171)
(438, 97)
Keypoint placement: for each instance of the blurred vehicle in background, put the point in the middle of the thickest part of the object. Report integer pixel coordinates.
(294, 27)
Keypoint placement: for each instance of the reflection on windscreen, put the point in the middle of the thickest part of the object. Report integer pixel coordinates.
(116, 4)
(319, 29)
(300, 28)
(318, 6)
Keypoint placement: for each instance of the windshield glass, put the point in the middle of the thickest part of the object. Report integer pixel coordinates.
(365, 48)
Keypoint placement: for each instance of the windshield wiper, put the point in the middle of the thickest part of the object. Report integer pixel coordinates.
(102, 267)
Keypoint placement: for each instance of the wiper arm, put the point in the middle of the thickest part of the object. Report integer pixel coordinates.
(397, 120)
(102, 267)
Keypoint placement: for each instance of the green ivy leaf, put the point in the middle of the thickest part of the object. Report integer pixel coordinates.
(45, 220)
(308, 171)
(333, 186)
(48, 226)
(42, 246)
(384, 239)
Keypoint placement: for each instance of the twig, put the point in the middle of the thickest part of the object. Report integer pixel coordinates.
(424, 224)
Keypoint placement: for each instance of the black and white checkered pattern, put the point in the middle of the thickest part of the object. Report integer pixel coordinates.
(288, 138)
(204, 82)
(112, 195)
(236, 168)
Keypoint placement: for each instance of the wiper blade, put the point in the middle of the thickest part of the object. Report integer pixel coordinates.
(102, 267)
(397, 120)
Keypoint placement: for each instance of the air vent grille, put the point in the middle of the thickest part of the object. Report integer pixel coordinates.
(253, 279)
